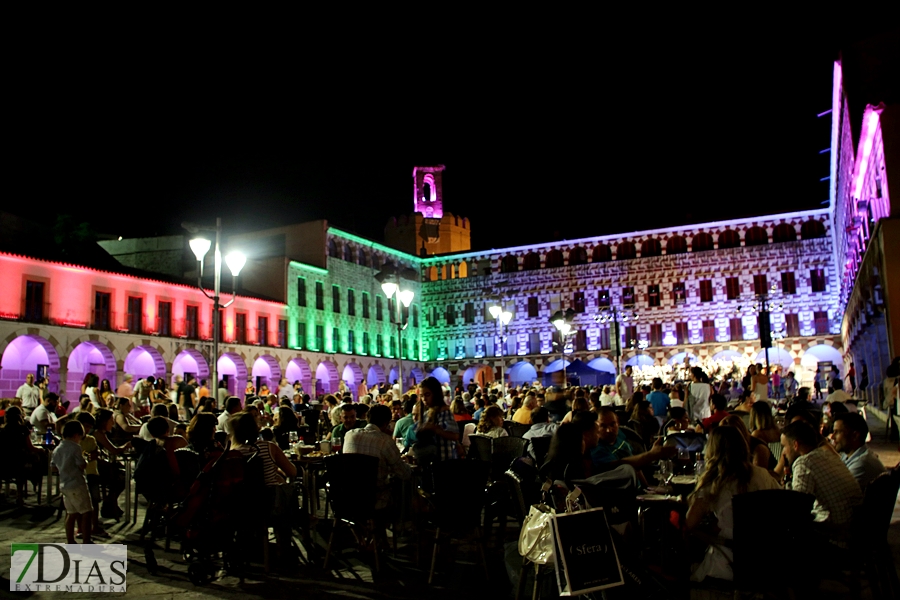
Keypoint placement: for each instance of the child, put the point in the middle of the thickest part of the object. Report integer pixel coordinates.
(69, 460)
(91, 450)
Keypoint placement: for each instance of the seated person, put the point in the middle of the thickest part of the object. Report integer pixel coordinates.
(348, 423)
(728, 472)
(643, 422)
(523, 415)
(285, 423)
(839, 395)
(801, 401)
(491, 423)
(821, 472)
(375, 440)
(126, 424)
(232, 407)
(760, 455)
(45, 415)
(404, 422)
(762, 423)
(678, 420)
(566, 459)
(720, 411)
(158, 410)
(849, 434)
(607, 446)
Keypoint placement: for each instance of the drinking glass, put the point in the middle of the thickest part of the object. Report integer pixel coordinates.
(293, 437)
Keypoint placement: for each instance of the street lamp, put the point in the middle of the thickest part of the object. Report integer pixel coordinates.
(235, 262)
(503, 318)
(392, 283)
(563, 323)
(612, 315)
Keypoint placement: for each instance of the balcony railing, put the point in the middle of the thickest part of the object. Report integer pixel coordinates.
(104, 320)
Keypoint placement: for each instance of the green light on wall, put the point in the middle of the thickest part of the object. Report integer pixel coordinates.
(374, 245)
(310, 268)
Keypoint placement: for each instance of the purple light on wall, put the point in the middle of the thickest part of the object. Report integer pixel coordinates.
(870, 126)
(427, 191)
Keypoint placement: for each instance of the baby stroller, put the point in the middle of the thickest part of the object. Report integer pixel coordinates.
(213, 520)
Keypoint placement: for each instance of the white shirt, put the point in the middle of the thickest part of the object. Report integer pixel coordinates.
(144, 433)
(624, 386)
(41, 413)
(223, 422)
(838, 396)
(607, 400)
(94, 396)
(30, 395)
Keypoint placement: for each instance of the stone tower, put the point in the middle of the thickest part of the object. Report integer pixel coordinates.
(429, 230)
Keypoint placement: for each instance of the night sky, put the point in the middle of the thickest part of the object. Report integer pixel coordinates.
(541, 140)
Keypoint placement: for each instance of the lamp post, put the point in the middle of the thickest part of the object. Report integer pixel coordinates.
(762, 305)
(563, 323)
(392, 283)
(235, 261)
(503, 318)
(612, 315)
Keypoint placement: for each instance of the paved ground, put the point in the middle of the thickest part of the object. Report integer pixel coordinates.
(459, 571)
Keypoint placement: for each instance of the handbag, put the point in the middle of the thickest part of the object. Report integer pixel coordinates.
(536, 537)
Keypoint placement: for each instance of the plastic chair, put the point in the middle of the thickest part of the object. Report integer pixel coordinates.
(504, 450)
(517, 430)
(352, 479)
(869, 542)
(479, 448)
(458, 499)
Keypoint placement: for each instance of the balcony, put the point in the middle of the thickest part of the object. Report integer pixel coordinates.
(103, 320)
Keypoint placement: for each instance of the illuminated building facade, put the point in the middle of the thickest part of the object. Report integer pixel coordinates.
(865, 158)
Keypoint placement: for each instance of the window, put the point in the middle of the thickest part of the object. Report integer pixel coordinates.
(320, 296)
(760, 285)
(320, 338)
(240, 328)
(821, 318)
(656, 334)
(379, 345)
(580, 340)
(682, 333)
(301, 291)
(282, 333)
(415, 315)
(365, 301)
(470, 312)
(351, 343)
(164, 318)
(788, 284)
(191, 325)
(34, 301)
(301, 335)
(533, 307)
(392, 352)
(603, 298)
(335, 339)
(335, 299)
(736, 328)
(652, 295)
(378, 308)
(709, 331)
(631, 336)
(135, 314)
(351, 303)
(792, 325)
(817, 280)
(706, 290)
(627, 296)
(262, 331)
(101, 310)
(450, 315)
(732, 288)
(415, 355)
(578, 302)
(604, 339)
(365, 348)
(678, 292)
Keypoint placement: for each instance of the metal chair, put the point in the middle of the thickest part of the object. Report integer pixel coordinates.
(353, 479)
(458, 499)
(517, 430)
(479, 448)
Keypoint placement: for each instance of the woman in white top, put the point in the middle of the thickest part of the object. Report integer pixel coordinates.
(93, 392)
(490, 425)
(728, 472)
(760, 384)
(698, 396)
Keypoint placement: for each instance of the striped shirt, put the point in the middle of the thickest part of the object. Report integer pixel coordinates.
(271, 476)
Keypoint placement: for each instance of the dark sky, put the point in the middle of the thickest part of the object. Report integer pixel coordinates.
(542, 140)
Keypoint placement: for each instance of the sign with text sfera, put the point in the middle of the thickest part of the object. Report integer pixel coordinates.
(584, 553)
(68, 567)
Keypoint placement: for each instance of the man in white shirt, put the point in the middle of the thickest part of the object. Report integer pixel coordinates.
(625, 385)
(158, 410)
(375, 440)
(30, 394)
(126, 390)
(839, 395)
(142, 394)
(232, 407)
(45, 414)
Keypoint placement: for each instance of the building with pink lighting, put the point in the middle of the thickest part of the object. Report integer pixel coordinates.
(866, 218)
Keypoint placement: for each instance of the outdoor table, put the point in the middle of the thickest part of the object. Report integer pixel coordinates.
(128, 458)
(49, 450)
(309, 465)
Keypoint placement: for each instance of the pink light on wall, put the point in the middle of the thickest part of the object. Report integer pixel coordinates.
(867, 139)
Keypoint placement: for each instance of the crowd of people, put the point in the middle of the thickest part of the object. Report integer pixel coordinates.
(588, 431)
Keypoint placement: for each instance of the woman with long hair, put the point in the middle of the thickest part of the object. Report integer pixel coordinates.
(643, 422)
(25, 462)
(762, 423)
(491, 423)
(111, 475)
(578, 404)
(459, 410)
(710, 515)
(105, 393)
(86, 382)
(90, 388)
(759, 450)
(159, 393)
(515, 404)
(566, 455)
(285, 423)
(201, 437)
(698, 395)
(436, 425)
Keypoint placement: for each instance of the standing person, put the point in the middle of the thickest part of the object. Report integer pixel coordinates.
(436, 425)
(93, 391)
(69, 460)
(624, 385)
(698, 396)
(851, 378)
(91, 451)
(658, 399)
(142, 394)
(187, 397)
(776, 382)
(864, 380)
(106, 393)
(790, 386)
(222, 393)
(761, 383)
(125, 390)
(203, 391)
(29, 394)
(819, 382)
